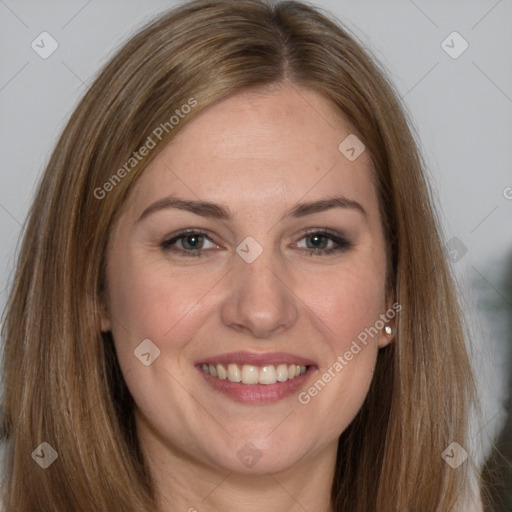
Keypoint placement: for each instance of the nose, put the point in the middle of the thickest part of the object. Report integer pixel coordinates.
(260, 302)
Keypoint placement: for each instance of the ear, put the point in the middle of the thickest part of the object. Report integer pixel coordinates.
(105, 323)
(103, 312)
(388, 331)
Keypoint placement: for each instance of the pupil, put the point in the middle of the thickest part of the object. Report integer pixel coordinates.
(192, 241)
(317, 241)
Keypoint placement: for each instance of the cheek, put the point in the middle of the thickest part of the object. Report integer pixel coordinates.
(149, 301)
(347, 313)
(348, 304)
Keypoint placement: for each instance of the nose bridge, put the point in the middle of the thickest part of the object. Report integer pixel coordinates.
(259, 299)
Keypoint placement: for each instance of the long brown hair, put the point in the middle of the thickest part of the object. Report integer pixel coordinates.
(62, 382)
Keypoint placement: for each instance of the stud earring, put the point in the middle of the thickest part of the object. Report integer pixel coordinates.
(388, 331)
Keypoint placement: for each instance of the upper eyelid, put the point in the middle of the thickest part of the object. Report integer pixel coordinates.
(183, 234)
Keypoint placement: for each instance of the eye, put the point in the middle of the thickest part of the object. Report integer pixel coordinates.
(193, 242)
(323, 242)
(189, 243)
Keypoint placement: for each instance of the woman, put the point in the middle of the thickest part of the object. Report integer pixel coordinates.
(232, 293)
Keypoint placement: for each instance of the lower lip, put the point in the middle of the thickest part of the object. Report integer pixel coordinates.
(257, 393)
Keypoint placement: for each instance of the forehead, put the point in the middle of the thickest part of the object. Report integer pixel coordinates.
(270, 147)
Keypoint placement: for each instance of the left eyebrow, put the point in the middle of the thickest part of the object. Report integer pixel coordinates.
(303, 209)
(217, 211)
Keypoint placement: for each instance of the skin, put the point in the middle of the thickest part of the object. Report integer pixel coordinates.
(258, 153)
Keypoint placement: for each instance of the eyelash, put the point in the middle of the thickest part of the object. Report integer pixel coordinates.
(342, 243)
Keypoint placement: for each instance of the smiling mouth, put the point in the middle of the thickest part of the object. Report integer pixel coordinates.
(251, 374)
(256, 378)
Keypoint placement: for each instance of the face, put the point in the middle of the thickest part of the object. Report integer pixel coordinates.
(250, 249)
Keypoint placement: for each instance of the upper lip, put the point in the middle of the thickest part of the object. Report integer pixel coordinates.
(257, 359)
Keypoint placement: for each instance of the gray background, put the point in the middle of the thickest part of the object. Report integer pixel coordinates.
(461, 108)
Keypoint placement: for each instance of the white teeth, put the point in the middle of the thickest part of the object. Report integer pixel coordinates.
(268, 375)
(221, 372)
(282, 372)
(250, 374)
(234, 374)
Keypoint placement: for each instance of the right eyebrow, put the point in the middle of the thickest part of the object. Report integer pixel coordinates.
(202, 208)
